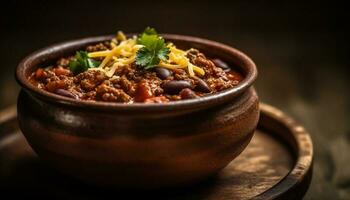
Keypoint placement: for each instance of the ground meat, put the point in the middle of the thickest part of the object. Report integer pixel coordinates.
(53, 78)
(60, 70)
(40, 74)
(89, 95)
(159, 99)
(132, 83)
(216, 77)
(98, 47)
(106, 92)
(90, 79)
(199, 59)
(126, 85)
(63, 61)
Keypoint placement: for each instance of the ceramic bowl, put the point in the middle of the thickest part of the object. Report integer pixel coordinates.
(139, 145)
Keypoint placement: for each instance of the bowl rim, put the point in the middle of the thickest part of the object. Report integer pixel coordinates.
(248, 66)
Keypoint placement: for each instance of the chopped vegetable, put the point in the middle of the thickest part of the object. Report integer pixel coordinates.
(153, 51)
(82, 62)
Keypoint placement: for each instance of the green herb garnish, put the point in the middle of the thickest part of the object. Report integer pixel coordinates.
(82, 62)
(149, 31)
(154, 49)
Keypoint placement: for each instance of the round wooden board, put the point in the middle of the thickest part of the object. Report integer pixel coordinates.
(277, 164)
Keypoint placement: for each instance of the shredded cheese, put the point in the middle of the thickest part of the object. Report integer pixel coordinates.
(124, 53)
(99, 53)
(121, 36)
(181, 61)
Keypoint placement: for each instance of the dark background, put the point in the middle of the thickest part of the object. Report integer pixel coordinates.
(301, 50)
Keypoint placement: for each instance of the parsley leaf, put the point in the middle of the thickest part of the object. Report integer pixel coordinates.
(154, 49)
(150, 31)
(163, 54)
(82, 62)
(143, 57)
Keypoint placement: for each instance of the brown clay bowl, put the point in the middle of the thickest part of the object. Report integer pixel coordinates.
(139, 145)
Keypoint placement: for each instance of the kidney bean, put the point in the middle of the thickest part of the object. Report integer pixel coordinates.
(223, 65)
(143, 92)
(175, 86)
(202, 86)
(65, 93)
(188, 94)
(162, 73)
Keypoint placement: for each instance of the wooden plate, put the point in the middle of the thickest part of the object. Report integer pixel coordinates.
(277, 164)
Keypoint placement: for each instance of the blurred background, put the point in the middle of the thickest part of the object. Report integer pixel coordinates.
(301, 50)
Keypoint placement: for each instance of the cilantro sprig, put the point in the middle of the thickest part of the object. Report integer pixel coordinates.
(82, 62)
(153, 51)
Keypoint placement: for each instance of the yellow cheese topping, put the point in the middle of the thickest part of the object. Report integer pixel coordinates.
(124, 53)
(178, 57)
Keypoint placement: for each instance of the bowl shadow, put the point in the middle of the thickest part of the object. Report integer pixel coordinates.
(36, 179)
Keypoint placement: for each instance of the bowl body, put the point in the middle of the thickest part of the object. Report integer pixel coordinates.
(139, 145)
